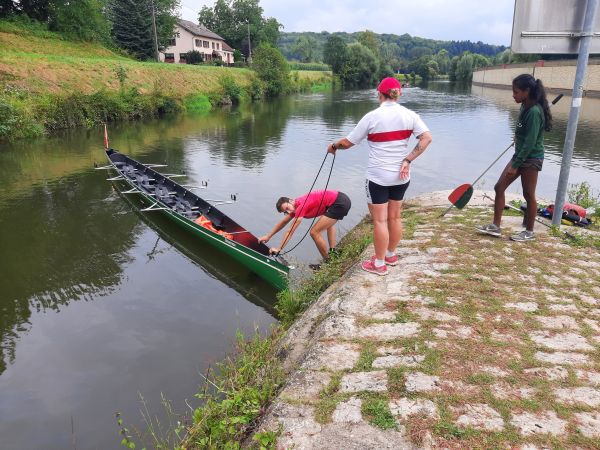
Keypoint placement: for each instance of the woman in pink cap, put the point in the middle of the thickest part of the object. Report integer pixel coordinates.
(387, 130)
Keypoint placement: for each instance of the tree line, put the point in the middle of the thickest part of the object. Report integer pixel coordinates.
(353, 56)
(124, 24)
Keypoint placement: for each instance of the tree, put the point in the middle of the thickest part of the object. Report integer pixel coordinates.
(360, 67)
(80, 19)
(194, 57)
(425, 66)
(464, 67)
(36, 9)
(233, 20)
(305, 48)
(132, 24)
(443, 61)
(335, 53)
(272, 69)
(371, 41)
(7, 8)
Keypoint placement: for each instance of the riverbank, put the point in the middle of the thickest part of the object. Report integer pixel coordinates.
(557, 76)
(48, 84)
(471, 342)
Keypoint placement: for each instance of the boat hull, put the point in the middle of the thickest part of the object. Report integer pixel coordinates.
(266, 267)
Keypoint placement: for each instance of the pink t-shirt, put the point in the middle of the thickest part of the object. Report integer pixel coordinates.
(308, 205)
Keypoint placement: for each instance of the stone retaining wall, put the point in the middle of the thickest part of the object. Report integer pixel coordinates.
(558, 76)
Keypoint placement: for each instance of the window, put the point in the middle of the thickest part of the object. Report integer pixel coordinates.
(213, 45)
(182, 58)
(172, 42)
(217, 46)
(205, 44)
(198, 42)
(169, 57)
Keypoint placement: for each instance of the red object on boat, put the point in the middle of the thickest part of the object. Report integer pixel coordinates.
(105, 137)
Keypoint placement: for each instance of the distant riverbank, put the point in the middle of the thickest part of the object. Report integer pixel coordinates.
(558, 76)
(48, 84)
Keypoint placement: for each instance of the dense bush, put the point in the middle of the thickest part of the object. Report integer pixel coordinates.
(272, 68)
(194, 57)
(231, 89)
(360, 68)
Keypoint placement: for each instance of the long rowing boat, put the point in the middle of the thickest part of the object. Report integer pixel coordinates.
(197, 215)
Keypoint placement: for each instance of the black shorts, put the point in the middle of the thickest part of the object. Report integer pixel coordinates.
(338, 209)
(530, 163)
(377, 194)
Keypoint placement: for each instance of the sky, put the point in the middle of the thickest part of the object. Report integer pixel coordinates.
(474, 20)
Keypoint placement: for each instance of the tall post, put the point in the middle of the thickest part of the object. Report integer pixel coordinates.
(249, 45)
(154, 33)
(582, 62)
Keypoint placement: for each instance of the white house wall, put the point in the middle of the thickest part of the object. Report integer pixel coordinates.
(186, 41)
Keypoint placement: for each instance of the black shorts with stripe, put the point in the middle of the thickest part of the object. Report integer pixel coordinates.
(377, 194)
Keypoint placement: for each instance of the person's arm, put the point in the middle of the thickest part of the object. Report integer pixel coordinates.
(278, 227)
(356, 136)
(287, 236)
(341, 144)
(424, 139)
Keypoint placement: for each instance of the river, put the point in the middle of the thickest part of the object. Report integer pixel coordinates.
(100, 306)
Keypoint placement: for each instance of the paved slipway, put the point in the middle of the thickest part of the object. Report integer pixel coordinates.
(470, 342)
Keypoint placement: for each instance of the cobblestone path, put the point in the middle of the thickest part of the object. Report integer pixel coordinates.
(470, 342)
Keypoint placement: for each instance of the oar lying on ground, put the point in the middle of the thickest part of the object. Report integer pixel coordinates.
(460, 196)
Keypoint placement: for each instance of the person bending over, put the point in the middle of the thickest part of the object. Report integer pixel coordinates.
(330, 206)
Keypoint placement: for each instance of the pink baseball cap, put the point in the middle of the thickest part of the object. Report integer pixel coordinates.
(387, 84)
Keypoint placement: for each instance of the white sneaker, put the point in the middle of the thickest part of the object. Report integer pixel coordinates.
(523, 236)
(490, 229)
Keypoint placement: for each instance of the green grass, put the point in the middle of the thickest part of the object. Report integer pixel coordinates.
(41, 73)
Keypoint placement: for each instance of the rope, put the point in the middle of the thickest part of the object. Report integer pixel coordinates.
(318, 209)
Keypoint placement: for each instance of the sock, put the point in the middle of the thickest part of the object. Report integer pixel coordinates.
(389, 254)
(379, 262)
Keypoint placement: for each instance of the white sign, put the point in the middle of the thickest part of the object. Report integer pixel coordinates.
(551, 26)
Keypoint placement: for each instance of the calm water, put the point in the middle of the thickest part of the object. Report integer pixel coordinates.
(98, 305)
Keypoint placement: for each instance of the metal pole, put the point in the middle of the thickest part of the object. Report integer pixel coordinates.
(582, 62)
(156, 53)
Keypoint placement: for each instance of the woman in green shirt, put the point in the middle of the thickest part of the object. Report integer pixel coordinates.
(534, 119)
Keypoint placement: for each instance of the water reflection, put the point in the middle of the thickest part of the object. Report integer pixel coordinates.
(139, 304)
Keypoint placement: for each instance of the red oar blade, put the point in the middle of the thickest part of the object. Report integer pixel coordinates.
(460, 196)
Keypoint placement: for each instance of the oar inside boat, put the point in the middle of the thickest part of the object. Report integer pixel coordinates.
(198, 215)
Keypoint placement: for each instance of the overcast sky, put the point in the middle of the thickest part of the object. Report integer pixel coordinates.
(474, 20)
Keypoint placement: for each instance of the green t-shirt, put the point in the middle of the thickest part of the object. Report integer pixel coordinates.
(529, 135)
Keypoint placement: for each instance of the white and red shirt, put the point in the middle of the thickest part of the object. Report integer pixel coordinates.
(387, 130)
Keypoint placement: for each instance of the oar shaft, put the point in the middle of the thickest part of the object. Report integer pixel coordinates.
(492, 164)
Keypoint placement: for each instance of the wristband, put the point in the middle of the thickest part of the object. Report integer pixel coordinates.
(407, 160)
(333, 146)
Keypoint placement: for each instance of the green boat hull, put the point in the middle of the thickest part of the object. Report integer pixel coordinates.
(266, 267)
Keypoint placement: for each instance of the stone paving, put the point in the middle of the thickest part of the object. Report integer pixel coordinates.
(470, 342)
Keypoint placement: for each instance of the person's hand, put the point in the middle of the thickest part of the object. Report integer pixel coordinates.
(405, 170)
(274, 251)
(263, 239)
(331, 148)
(511, 171)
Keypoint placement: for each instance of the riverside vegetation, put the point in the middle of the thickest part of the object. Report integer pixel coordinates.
(237, 395)
(49, 83)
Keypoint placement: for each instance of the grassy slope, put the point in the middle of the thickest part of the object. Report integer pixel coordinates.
(44, 63)
(40, 62)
